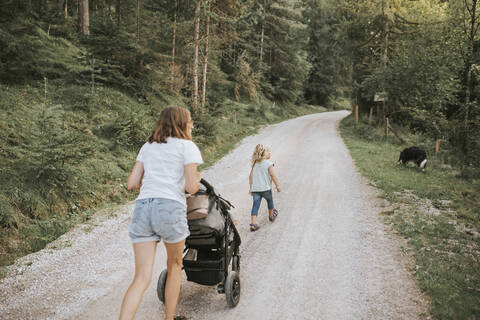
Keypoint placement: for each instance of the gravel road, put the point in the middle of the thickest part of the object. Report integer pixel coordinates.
(327, 256)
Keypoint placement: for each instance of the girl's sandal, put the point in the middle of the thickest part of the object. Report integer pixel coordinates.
(254, 227)
(273, 216)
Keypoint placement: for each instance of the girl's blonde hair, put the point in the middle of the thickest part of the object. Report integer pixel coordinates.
(172, 122)
(260, 153)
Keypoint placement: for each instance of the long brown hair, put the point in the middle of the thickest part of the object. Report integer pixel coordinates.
(173, 122)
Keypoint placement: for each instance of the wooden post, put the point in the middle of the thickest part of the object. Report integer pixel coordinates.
(387, 125)
(356, 113)
(370, 116)
(437, 146)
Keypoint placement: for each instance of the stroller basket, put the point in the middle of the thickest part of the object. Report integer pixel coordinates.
(204, 266)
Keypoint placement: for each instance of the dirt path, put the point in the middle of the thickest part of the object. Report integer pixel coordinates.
(327, 256)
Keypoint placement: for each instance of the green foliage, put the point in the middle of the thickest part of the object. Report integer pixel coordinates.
(416, 51)
(282, 69)
(246, 80)
(56, 162)
(205, 132)
(131, 128)
(7, 215)
(326, 52)
(112, 54)
(59, 146)
(32, 54)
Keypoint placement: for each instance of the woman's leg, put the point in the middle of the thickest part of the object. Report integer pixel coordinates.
(174, 277)
(144, 260)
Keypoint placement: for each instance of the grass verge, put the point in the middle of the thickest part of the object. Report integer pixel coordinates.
(437, 212)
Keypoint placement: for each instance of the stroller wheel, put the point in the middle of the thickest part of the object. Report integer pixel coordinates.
(232, 289)
(162, 280)
(236, 264)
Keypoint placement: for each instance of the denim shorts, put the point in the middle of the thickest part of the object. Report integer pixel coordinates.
(257, 199)
(155, 219)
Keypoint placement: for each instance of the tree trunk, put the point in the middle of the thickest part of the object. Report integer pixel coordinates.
(84, 17)
(172, 67)
(65, 8)
(468, 91)
(380, 115)
(138, 20)
(384, 111)
(119, 6)
(270, 51)
(263, 31)
(205, 58)
(471, 39)
(195, 56)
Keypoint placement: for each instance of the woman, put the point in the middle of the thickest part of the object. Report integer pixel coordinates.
(166, 166)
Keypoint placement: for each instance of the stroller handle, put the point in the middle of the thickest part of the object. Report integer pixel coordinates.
(207, 185)
(211, 191)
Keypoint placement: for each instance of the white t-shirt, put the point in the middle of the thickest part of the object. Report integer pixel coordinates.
(261, 179)
(163, 164)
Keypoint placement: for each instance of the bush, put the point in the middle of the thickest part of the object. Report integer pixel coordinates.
(55, 147)
(205, 129)
(33, 54)
(131, 129)
(7, 215)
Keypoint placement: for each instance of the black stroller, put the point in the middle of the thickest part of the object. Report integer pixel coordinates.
(212, 246)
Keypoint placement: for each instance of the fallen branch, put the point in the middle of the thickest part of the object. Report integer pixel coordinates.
(395, 133)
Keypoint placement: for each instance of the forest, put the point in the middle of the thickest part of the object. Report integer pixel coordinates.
(82, 81)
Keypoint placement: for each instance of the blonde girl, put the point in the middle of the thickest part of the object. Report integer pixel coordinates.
(166, 167)
(260, 179)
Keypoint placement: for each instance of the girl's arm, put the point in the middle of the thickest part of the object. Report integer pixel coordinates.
(250, 181)
(274, 177)
(192, 178)
(134, 181)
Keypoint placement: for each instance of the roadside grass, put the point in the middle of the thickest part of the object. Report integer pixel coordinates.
(67, 154)
(438, 212)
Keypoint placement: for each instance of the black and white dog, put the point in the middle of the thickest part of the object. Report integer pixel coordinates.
(415, 154)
